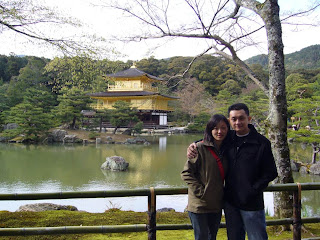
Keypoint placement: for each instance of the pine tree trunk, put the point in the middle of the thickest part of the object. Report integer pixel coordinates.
(73, 125)
(278, 106)
(314, 156)
(100, 124)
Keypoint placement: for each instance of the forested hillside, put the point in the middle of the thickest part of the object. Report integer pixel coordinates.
(38, 94)
(306, 58)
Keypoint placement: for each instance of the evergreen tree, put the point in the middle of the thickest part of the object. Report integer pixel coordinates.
(200, 123)
(41, 97)
(308, 136)
(71, 103)
(123, 115)
(32, 121)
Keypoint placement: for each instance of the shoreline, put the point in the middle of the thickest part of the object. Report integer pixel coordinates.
(106, 136)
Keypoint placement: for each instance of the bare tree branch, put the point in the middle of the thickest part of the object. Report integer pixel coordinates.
(299, 14)
(31, 20)
(227, 37)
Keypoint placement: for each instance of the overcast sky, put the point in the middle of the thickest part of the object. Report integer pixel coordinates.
(106, 22)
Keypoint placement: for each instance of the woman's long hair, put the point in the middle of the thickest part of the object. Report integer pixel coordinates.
(213, 122)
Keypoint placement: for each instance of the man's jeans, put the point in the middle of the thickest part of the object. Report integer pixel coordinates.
(205, 225)
(239, 222)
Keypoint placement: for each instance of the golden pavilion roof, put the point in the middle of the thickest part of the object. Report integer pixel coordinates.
(133, 72)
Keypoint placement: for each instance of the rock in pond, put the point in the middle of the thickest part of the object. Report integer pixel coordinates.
(115, 163)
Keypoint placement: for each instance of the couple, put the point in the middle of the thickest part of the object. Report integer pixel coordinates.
(229, 169)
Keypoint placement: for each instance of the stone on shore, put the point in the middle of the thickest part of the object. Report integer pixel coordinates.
(165, 209)
(40, 207)
(295, 166)
(69, 138)
(57, 135)
(137, 140)
(304, 170)
(315, 168)
(115, 163)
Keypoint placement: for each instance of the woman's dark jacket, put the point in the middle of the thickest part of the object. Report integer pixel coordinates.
(251, 167)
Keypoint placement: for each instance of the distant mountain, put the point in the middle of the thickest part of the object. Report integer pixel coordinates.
(261, 59)
(306, 58)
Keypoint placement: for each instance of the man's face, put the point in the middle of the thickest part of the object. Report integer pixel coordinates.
(239, 121)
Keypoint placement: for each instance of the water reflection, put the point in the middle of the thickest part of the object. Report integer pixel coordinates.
(54, 168)
(162, 143)
(310, 199)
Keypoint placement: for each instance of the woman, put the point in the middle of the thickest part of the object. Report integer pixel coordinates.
(205, 178)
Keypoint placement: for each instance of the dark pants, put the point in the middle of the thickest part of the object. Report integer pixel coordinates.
(205, 225)
(239, 222)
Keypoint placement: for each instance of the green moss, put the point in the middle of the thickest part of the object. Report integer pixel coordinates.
(117, 217)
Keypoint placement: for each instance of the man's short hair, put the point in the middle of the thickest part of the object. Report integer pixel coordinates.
(239, 106)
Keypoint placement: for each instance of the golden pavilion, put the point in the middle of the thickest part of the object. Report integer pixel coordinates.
(135, 86)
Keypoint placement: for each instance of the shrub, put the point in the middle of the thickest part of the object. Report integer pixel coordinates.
(93, 135)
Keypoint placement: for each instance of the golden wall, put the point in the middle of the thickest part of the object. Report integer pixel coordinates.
(141, 103)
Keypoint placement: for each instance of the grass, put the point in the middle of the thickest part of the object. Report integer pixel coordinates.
(117, 217)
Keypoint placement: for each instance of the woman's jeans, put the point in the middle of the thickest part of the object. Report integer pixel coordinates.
(239, 222)
(205, 225)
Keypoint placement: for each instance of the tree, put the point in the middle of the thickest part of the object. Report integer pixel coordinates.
(82, 72)
(33, 72)
(71, 102)
(224, 99)
(308, 136)
(150, 65)
(232, 86)
(30, 76)
(3, 102)
(32, 121)
(122, 115)
(137, 128)
(15, 91)
(297, 87)
(192, 98)
(258, 102)
(41, 97)
(224, 26)
(10, 66)
(200, 123)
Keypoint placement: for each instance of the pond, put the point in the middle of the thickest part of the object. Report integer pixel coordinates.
(55, 168)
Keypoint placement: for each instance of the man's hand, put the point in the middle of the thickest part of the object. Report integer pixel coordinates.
(192, 151)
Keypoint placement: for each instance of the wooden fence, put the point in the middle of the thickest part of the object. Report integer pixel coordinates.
(152, 227)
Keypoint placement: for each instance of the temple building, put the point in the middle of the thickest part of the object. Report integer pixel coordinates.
(136, 87)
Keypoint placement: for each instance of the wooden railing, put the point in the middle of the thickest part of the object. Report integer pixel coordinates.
(151, 227)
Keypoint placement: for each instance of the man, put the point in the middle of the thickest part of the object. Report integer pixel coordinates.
(251, 168)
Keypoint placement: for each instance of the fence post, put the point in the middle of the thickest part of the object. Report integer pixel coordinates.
(152, 215)
(297, 213)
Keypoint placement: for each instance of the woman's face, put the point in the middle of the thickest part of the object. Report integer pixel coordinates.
(219, 132)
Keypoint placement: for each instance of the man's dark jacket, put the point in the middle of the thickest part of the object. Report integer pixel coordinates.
(251, 168)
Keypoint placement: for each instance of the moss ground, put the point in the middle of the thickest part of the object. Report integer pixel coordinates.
(117, 217)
